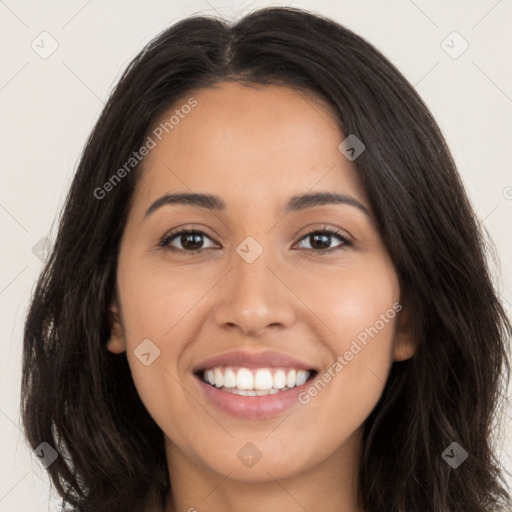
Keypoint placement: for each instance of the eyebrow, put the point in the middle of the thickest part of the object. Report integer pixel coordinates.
(295, 203)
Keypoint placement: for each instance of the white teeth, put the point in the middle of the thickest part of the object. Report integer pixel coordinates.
(279, 380)
(244, 379)
(291, 378)
(251, 392)
(229, 379)
(259, 382)
(219, 377)
(263, 379)
(302, 377)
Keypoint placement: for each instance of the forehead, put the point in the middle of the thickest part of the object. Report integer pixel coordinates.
(247, 142)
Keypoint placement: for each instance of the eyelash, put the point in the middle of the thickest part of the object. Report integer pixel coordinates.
(164, 243)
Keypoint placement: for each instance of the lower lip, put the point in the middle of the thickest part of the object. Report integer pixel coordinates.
(252, 407)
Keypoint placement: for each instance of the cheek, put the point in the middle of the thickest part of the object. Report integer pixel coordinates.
(157, 299)
(359, 309)
(362, 316)
(350, 300)
(155, 305)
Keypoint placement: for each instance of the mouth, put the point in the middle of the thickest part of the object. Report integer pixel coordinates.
(252, 385)
(252, 382)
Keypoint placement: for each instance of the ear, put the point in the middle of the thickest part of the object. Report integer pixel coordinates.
(116, 344)
(405, 341)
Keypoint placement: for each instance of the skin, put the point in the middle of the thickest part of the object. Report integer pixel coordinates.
(255, 146)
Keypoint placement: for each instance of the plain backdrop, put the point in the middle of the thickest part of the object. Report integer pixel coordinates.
(49, 103)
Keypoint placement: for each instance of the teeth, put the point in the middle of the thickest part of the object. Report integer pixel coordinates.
(251, 392)
(279, 380)
(302, 377)
(244, 379)
(229, 379)
(291, 378)
(263, 379)
(260, 382)
(219, 377)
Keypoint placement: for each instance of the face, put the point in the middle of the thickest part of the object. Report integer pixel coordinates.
(262, 291)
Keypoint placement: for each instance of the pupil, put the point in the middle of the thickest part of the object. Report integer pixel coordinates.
(325, 239)
(320, 241)
(197, 240)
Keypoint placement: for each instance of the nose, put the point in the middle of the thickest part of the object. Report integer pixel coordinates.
(254, 298)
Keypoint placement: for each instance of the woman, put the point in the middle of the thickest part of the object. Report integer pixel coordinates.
(197, 342)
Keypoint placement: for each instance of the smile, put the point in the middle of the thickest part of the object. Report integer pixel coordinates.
(254, 381)
(253, 384)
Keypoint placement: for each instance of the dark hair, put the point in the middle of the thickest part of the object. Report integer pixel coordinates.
(81, 398)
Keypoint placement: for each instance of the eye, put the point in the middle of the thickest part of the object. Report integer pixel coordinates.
(321, 239)
(190, 241)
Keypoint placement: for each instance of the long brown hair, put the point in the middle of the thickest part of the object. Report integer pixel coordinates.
(81, 399)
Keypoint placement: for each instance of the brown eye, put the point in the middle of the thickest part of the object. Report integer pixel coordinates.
(190, 240)
(320, 240)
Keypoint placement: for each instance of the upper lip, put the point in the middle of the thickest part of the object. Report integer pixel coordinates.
(253, 360)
